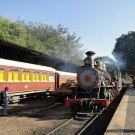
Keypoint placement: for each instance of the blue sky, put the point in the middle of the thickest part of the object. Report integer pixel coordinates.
(97, 22)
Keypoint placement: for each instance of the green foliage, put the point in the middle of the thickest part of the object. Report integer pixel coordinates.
(16, 33)
(57, 42)
(3, 29)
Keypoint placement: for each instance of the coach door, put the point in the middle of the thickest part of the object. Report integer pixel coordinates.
(56, 80)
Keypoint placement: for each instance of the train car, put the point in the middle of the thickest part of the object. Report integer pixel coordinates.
(65, 77)
(24, 79)
(96, 87)
(65, 81)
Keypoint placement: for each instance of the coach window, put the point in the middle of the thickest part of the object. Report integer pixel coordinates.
(16, 76)
(2, 74)
(26, 76)
(51, 78)
(61, 80)
(64, 80)
(35, 76)
(10, 76)
(45, 77)
(13, 75)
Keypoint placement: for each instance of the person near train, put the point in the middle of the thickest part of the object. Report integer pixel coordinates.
(5, 101)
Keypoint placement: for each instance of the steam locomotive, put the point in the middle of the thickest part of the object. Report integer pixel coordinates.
(96, 87)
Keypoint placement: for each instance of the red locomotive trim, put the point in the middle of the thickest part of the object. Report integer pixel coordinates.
(102, 102)
(69, 101)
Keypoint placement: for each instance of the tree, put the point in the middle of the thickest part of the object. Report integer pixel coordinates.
(124, 50)
(16, 33)
(58, 41)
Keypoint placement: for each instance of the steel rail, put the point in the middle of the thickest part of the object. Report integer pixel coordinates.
(60, 126)
(89, 122)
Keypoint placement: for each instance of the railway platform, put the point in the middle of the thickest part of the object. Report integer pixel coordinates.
(123, 121)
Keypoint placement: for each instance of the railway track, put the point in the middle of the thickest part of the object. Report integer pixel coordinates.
(73, 126)
(86, 125)
(34, 110)
(38, 111)
(31, 107)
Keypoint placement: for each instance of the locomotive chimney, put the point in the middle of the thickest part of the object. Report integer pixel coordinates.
(90, 53)
(88, 61)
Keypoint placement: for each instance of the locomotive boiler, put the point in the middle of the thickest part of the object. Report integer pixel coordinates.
(96, 86)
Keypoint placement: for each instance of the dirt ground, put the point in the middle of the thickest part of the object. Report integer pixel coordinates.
(29, 125)
(24, 126)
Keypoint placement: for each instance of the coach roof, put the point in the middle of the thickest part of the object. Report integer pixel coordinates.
(6, 62)
(66, 73)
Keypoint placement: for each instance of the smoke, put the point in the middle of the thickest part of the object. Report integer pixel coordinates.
(68, 67)
(121, 62)
(56, 63)
(109, 62)
(113, 63)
